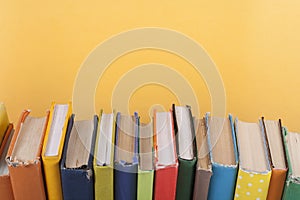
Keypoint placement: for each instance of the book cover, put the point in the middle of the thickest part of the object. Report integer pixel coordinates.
(276, 153)
(77, 160)
(5, 184)
(186, 151)
(166, 163)
(104, 157)
(24, 157)
(126, 161)
(254, 170)
(146, 162)
(53, 147)
(203, 167)
(223, 156)
(292, 147)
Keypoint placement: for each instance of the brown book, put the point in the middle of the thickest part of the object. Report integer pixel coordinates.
(24, 157)
(276, 152)
(5, 185)
(203, 167)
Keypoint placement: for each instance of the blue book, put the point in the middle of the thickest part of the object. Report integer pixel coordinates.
(126, 157)
(77, 161)
(223, 156)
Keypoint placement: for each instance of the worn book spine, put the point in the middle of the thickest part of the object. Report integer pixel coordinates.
(26, 178)
(78, 183)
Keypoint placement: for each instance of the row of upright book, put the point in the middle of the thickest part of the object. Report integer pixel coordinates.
(175, 156)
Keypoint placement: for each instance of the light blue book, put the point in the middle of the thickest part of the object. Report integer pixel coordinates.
(223, 156)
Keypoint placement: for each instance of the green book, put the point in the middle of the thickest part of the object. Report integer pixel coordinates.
(146, 169)
(186, 151)
(292, 147)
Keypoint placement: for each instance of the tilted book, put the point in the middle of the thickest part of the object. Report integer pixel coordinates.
(254, 169)
(166, 164)
(53, 147)
(203, 168)
(3, 121)
(186, 151)
(5, 184)
(126, 161)
(104, 157)
(292, 184)
(24, 157)
(77, 160)
(275, 144)
(223, 157)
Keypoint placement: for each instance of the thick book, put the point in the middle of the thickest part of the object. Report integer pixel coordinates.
(223, 156)
(186, 151)
(5, 184)
(77, 160)
(292, 147)
(53, 147)
(275, 144)
(104, 157)
(254, 165)
(166, 163)
(203, 168)
(3, 121)
(146, 162)
(24, 157)
(126, 157)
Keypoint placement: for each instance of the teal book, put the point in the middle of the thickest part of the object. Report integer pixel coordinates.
(292, 147)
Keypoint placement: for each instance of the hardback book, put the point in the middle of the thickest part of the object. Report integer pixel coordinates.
(292, 147)
(126, 157)
(24, 157)
(5, 184)
(254, 166)
(146, 162)
(275, 144)
(166, 163)
(3, 121)
(53, 147)
(104, 157)
(77, 160)
(186, 151)
(223, 156)
(203, 167)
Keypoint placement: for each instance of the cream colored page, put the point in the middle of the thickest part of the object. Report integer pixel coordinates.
(79, 145)
(29, 139)
(275, 143)
(251, 147)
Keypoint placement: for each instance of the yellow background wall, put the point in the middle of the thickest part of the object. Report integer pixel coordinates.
(254, 43)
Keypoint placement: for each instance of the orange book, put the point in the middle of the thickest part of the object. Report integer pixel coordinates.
(5, 185)
(24, 157)
(276, 153)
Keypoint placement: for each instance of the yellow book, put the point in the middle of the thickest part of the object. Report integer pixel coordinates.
(53, 147)
(254, 169)
(3, 121)
(104, 155)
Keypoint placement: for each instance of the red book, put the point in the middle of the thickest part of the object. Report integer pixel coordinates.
(166, 164)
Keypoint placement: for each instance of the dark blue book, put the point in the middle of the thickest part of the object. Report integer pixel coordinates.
(77, 161)
(125, 161)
